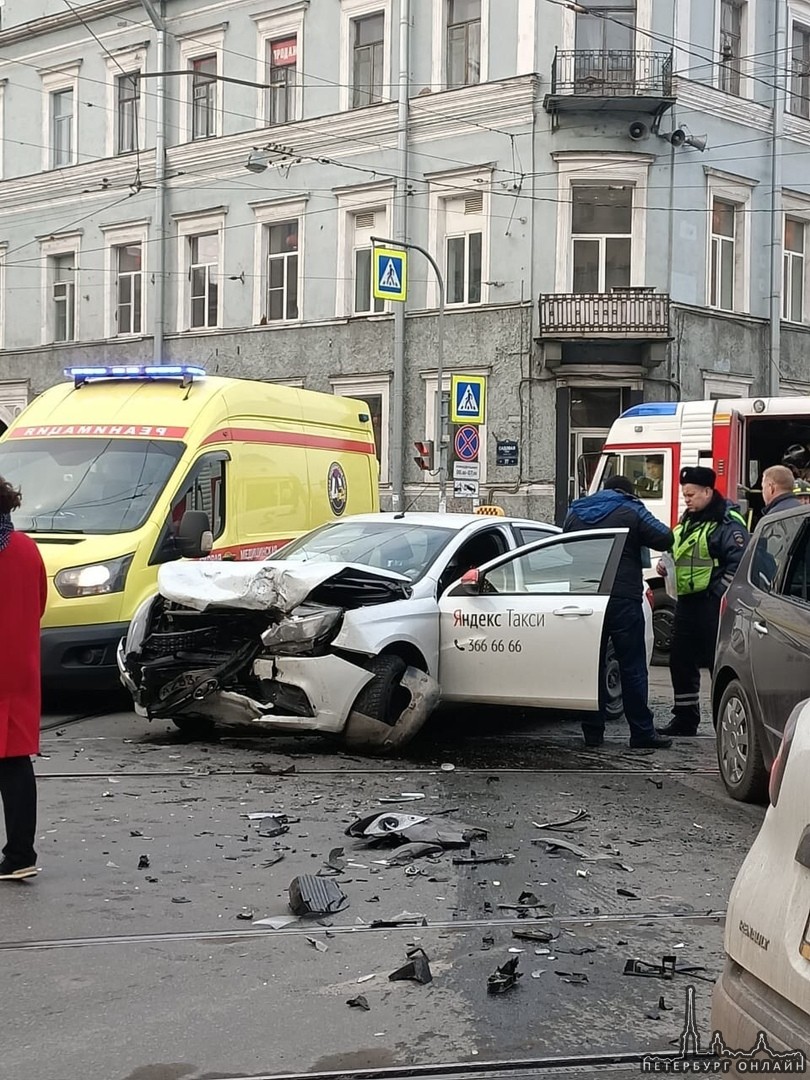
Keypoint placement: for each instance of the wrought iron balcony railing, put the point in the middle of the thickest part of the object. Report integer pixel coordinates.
(611, 73)
(640, 314)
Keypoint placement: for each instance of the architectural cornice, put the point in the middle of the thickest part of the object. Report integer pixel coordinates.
(49, 24)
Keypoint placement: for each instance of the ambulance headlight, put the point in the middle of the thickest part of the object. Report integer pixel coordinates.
(95, 579)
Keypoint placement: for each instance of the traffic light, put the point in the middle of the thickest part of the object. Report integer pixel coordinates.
(424, 459)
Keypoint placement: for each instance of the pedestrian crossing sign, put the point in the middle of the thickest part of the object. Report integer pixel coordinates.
(390, 274)
(468, 403)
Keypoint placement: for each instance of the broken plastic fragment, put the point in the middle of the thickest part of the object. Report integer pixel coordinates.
(447, 767)
(538, 973)
(534, 935)
(406, 918)
(504, 977)
(143, 862)
(576, 978)
(577, 815)
(311, 895)
(276, 922)
(359, 1002)
(319, 945)
(408, 852)
(367, 978)
(397, 828)
(180, 900)
(246, 916)
(416, 970)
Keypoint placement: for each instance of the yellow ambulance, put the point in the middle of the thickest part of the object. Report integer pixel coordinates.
(123, 468)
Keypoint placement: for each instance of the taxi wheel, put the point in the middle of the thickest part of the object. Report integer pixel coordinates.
(663, 622)
(612, 676)
(195, 727)
(383, 698)
(739, 747)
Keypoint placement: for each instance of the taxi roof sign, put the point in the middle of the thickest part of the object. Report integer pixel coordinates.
(390, 274)
(468, 399)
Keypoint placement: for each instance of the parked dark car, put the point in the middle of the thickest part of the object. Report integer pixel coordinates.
(762, 664)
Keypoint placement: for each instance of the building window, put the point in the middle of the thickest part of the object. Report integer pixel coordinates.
(368, 57)
(374, 391)
(63, 277)
(601, 227)
(282, 271)
(62, 128)
(722, 284)
(793, 273)
(127, 102)
(365, 302)
(282, 62)
(463, 42)
(464, 248)
(799, 103)
(128, 288)
(203, 274)
(203, 97)
(731, 34)
(605, 38)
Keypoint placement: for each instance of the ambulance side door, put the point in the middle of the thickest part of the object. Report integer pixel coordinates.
(526, 629)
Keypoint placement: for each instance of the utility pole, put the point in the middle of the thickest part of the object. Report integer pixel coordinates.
(400, 234)
(777, 219)
(439, 412)
(157, 16)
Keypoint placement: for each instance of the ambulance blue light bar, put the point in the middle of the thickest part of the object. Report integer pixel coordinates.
(653, 408)
(136, 372)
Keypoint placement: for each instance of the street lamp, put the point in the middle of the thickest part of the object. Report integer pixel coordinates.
(257, 161)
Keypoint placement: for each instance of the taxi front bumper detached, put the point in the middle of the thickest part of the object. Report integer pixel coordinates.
(242, 642)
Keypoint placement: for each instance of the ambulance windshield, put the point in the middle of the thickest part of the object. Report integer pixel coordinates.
(94, 485)
(644, 471)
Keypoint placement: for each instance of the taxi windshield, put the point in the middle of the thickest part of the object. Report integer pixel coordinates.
(406, 549)
(92, 485)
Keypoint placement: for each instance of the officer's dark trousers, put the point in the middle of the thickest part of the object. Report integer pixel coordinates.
(694, 637)
(624, 624)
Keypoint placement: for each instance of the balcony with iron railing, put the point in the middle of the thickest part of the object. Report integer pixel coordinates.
(622, 80)
(637, 314)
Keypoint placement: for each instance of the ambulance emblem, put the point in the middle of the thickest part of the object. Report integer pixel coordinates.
(337, 488)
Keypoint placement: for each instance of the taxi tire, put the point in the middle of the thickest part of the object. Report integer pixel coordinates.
(737, 722)
(611, 675)
(378, 699)
(194, 727)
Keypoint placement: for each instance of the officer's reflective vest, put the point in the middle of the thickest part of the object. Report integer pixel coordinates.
(690, 553)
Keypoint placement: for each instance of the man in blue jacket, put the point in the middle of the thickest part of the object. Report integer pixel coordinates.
(616, 507)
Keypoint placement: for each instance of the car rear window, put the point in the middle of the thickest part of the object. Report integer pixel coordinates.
(771, 552)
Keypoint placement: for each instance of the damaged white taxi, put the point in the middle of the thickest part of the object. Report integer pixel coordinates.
(359, 628)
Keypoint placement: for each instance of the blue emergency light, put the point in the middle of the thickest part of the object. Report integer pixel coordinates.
(652, 408)
(137, 372)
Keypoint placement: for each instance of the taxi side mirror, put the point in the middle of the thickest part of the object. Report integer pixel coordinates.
(194, 537)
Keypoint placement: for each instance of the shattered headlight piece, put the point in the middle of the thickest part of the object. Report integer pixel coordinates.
(303, 628)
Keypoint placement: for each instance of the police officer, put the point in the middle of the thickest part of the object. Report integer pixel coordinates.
(616, 507)
(709, 543)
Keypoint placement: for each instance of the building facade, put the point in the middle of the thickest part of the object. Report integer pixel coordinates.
(616, 192)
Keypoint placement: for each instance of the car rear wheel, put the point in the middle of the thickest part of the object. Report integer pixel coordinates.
(195, 727)
(739, 746)
(663, 622)
(612, 675)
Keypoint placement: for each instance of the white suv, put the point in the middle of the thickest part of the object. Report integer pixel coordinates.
(765, 986)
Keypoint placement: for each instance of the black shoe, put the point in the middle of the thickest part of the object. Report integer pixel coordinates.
(9, 872)
(593, 739)
(651, 742)
(680, 728)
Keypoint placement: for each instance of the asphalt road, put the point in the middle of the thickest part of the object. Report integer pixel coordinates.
(111, 972)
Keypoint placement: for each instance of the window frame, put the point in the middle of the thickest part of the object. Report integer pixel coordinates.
(736, 190)
(799, 26)
(189, 225)
(748, 49)
(275, 27)
(285, 258)
(794, 262)
(600, 238)
(360, 386)
(204, 43)
(350, 11)
(117, 236)
(54, 247)
(267, 214)
(124, 62)
(575, 168)
(444, 190)
(134, 102)
(718, 387)
(370, 198)
(69, 119)
(439, 68)
(64, 77)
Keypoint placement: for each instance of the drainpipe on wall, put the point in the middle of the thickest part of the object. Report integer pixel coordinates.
(400, 224)
(158, 17)
(777, 226)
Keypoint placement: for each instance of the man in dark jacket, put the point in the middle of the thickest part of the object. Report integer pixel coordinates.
(777, 490)
(709, 543)
(616, 507)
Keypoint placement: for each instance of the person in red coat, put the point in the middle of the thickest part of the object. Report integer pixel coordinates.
(23, 588)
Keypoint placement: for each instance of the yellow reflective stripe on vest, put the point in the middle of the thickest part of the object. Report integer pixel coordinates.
(693, 563)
